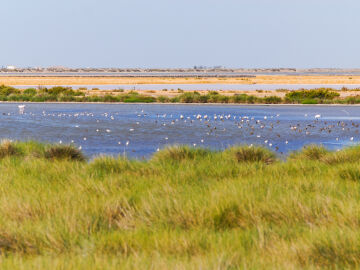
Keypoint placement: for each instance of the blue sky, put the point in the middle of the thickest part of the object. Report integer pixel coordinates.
(180, 33)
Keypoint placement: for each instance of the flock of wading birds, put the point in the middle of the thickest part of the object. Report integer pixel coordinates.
(250, 123)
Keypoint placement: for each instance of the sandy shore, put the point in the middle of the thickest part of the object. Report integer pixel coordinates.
(268, 79)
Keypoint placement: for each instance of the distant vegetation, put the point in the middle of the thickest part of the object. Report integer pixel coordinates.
(184, 208)
(64, 94)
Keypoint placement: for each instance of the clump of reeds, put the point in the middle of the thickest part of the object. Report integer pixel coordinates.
(180, 152)
(310, 152)
(8, 148)
(252, 154)
(65, 152)
(320, 153)
(350, 154)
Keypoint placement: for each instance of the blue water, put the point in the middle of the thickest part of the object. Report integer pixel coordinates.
(106, 128)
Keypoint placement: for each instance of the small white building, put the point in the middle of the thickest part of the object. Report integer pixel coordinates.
(10, 67)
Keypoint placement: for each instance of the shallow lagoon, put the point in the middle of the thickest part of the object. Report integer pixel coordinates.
(106, 128)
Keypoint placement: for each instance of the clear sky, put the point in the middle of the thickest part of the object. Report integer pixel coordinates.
(180, 33)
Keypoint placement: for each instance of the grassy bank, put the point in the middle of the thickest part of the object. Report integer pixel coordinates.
(184, 208)
(62, 94)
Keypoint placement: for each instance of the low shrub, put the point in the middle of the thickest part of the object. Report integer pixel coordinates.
(299, 96)
(272, 100)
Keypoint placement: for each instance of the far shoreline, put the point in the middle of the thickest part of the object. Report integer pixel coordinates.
(188, 104)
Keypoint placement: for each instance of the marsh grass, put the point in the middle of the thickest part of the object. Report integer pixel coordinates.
(179, 153)
(185, 208)
(8, 149)
(251, 154)
(320, 153)
(67, 152)
(310, 152)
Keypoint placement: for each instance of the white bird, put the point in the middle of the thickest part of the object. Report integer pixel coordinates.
(317, 116)
(21, 109)
(352, 138)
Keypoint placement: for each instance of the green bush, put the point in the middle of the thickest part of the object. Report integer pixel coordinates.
(320, 94)
(30, 92)
(272, 100)
(309, 101)
(8, 90)
(163, 99)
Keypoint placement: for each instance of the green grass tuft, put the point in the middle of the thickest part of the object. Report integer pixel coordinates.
(67, 152)
(251, 154)
(179, 153)
(310, 152)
